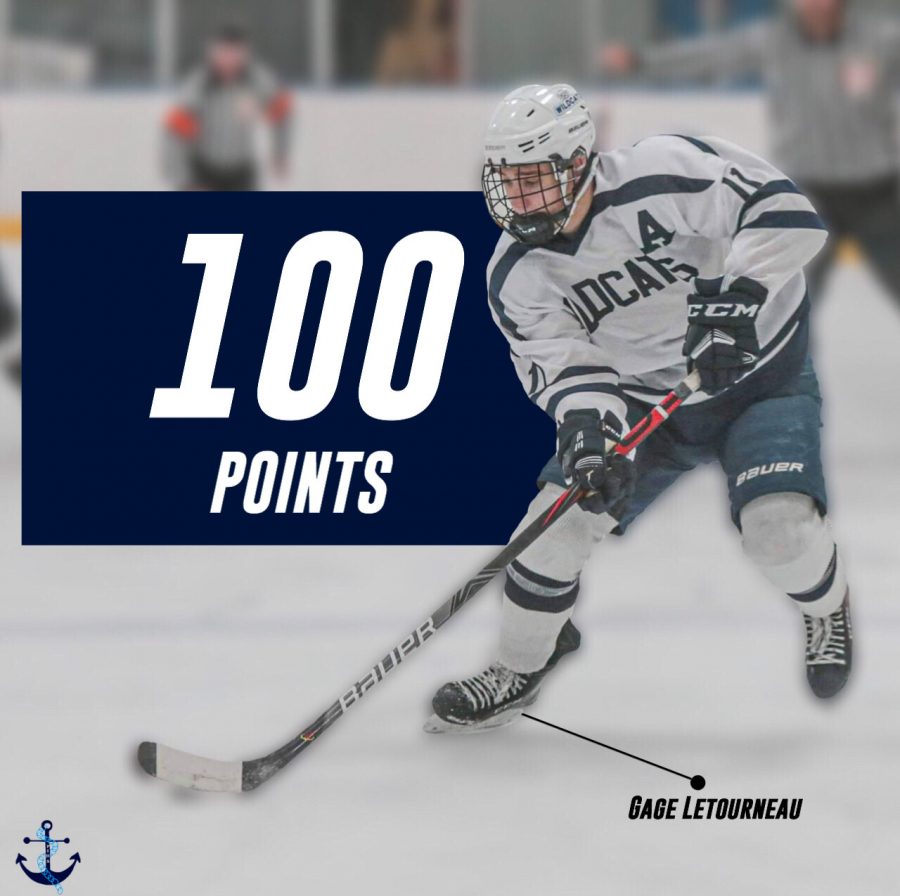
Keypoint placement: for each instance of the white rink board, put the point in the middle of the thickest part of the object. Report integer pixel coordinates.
(346, 140)
(689, 659)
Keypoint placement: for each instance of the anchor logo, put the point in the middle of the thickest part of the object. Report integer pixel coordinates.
(45, 874)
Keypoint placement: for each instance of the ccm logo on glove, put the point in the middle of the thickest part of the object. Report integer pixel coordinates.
(721, 342)
(721, 309)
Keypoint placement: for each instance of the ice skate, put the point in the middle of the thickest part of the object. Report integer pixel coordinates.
(496, 697)
(829, 650)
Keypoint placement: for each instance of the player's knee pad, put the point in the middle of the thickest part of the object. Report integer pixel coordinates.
(788, 539)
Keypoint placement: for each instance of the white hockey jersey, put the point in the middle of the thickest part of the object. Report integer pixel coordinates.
(602, 313)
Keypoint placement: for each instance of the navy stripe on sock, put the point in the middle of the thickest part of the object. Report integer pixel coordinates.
(806, 597)
(538, 579)
(522, 597)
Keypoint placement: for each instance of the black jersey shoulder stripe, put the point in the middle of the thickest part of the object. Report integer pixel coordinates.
(736, 172)
(786, 220)
(703, 147)
(767, 191)
(631, 191)
(696, 141)
(499, 275)
(647, 186)
(737, 189)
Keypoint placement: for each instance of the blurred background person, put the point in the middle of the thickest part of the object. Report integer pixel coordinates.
(211, 130)
(396, 42)
(830, 70)
(9, 323)
(9, 320)
(419, 46)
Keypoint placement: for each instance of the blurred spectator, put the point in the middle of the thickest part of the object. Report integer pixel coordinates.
(9, 324)
(830, 71)
(9, 320)
(683, 18)
(210, 131)
(421, 48)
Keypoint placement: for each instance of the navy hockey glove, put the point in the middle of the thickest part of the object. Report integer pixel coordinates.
(721, 341)
(582, 440)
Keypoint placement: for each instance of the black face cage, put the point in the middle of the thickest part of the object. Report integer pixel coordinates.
(546, 217)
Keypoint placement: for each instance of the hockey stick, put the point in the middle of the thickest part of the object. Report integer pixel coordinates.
(188, 770)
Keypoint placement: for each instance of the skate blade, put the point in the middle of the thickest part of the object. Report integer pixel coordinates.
(437, 725)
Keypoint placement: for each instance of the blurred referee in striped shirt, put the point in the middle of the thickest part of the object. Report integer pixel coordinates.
(830, 72)
(211, 130)
(9, 326)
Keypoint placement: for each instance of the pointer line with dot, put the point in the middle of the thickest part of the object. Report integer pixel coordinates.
(698, 782)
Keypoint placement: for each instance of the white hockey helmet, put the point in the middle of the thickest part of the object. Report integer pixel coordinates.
(538, 160)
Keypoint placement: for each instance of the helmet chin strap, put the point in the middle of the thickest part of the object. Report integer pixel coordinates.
(586, 180)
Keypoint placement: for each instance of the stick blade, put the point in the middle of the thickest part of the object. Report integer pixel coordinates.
(188, 770)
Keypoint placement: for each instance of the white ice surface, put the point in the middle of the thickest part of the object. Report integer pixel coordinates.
(689, 659)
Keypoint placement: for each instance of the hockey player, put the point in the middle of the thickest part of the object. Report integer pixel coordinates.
(9, 321)
(617, 274)
(210, 131)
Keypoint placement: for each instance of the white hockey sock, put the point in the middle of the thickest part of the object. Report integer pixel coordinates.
(792, 545)
(535, 608)
(827, 596)
(541, 586)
